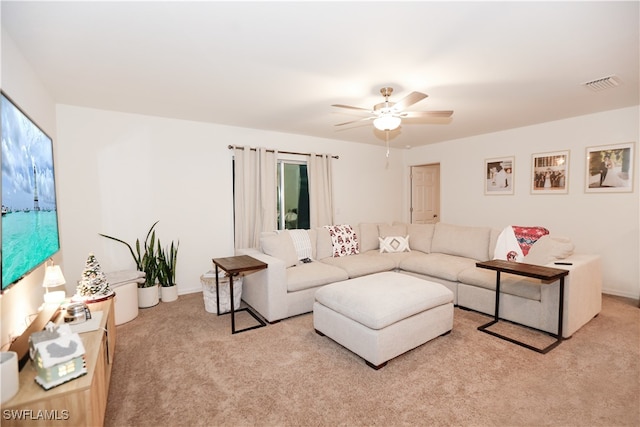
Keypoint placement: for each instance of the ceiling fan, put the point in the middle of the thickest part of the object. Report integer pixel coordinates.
(388, 115)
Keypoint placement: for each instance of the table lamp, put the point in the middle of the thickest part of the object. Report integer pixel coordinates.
(53, 277)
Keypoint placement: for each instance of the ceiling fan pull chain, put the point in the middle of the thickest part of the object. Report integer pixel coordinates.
(387, 138)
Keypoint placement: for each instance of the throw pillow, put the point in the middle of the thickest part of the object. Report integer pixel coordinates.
(301, 243)
(394, 244)
(280, 246)
(344, 240)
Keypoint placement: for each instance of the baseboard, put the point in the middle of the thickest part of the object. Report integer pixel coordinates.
(621, 294)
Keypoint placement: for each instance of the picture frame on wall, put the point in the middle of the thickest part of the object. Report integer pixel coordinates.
(610, 168)
(550, 173)
(498, 176)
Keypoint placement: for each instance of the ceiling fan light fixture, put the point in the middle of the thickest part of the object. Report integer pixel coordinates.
(387, 122)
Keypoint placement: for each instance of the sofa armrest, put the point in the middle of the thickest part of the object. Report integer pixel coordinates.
(266, 290)
(582, 292)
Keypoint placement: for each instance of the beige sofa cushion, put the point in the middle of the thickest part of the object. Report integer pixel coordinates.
(324, 245)
(463, 241)
(279, 245)
(396, 257)
(436, 265)
(397, 229)
(509, 283)
(420, 237)
(361, 264)
(368, 236)
(548, 249)
(313, 274)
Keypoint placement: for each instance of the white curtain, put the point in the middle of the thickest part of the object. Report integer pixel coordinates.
(255, 186)
(320, 190)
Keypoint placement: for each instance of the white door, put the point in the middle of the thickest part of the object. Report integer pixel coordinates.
(425, 194)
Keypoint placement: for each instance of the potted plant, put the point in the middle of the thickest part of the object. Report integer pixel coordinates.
(146, 260)
(167, 260)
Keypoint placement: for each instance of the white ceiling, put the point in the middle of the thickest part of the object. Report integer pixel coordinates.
(280, 65)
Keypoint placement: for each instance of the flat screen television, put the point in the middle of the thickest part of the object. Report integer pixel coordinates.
(29, 209)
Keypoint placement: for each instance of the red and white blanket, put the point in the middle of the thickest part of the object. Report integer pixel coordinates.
(514, 242)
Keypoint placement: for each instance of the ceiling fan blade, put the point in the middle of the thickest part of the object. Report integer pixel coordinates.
(355, 121)
(409, 100)
(350, 107)
(419, 114)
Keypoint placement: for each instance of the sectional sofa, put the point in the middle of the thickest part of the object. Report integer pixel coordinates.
(442, 253)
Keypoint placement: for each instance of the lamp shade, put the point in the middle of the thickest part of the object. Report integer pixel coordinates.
(53, 277)
(387, 122)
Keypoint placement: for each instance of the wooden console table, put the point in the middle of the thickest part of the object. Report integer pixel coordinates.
(81, 401)
(233, 266)
(546, 275)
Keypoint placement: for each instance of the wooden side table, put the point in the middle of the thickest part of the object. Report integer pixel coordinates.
(546, 275)
(233, 266)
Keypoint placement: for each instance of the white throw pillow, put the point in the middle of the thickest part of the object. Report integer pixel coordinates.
(393, 244)
(344, 240)
(301, 243)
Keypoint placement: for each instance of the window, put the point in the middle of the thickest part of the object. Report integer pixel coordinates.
(293, 195)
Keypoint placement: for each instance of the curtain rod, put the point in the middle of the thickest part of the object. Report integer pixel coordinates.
(284, 152)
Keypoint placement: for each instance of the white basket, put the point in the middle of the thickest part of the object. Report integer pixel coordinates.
(209, 293)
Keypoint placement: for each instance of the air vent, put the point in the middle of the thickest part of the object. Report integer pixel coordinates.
(603, 83)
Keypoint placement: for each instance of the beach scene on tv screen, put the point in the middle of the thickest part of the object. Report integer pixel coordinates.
(29, 215)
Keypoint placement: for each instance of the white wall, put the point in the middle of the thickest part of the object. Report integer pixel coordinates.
(605, 224)
(18, 80)
(118, 173)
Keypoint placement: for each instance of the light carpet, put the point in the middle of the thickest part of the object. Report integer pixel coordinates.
(177, 365)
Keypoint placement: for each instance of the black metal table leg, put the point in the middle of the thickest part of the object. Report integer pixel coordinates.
(496, 318)
(233, 266)
(233, 311)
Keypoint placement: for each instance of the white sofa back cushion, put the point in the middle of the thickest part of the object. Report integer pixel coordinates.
(368, 236)
(421, 236)
(468, 242)
(324, 245)
(397, 229)
(548, 249)
(279, 245)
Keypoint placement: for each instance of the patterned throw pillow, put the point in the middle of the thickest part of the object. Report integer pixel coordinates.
(394, 244)
(344, 240)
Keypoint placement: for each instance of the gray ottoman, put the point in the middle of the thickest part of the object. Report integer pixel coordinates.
(383, 315)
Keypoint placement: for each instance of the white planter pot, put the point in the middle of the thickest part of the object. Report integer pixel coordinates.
(169, 293)
(148, 297)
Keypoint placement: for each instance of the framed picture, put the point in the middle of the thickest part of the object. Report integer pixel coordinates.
(610, 168)
(498, 175)
(550, 173)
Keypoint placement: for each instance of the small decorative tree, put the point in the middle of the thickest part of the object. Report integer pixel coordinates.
(94, 281)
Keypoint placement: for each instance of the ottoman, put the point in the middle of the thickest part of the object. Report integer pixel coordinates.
(383, 315)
